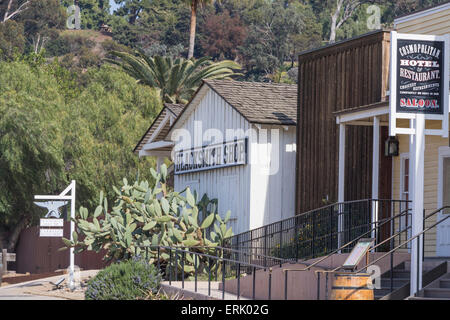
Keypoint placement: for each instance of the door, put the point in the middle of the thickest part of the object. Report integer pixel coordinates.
(443, 229)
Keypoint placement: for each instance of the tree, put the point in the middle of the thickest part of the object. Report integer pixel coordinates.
(54, 129)
(42, 22)
(222, 35)
(131, 9)
(275, 37)
(13, 8)
(341, 13)
(194, 5)
(12, 40)
(177, 79)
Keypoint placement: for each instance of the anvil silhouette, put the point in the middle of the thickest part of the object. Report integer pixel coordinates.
(52, 207)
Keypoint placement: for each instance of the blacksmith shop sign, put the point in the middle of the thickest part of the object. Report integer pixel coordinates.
(211, 157)
(420, 80)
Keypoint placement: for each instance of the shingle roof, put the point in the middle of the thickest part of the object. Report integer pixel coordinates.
(262, 103)
(176, 109)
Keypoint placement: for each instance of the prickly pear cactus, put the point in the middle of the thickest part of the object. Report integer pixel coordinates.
(144, 216)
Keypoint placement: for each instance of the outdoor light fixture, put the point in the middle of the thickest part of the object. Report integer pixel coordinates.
(392, 148)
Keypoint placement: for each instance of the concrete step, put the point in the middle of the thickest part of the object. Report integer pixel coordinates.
(380, 293)
(424, 299)
(436, 293)
(402, 274)
(397, 282)
(444, 283)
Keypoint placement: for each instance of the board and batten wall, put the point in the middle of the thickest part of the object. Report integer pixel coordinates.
(272, 184)
(435, 21)
(253, 198)
(349, 74)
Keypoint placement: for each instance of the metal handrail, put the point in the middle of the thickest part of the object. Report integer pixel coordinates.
(352, 241)
(415, 237)
(280, 260)
(390, 238)
(238, 264)
(319, 209)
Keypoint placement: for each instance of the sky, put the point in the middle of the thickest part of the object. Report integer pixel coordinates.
(113, 5)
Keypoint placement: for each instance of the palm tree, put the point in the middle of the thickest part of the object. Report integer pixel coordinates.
(177, 79)
(194, 4)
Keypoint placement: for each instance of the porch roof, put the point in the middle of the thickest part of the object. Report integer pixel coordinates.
(364, 115)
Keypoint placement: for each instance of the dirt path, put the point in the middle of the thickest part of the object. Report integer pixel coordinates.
(42, 289)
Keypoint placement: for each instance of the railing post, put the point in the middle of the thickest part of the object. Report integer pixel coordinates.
(176, 265)
(182, 268)
(223, 278)
(209, 276)
(170, 266)
(423, 237)
(281, 238)
(159, 263)
(318, 285)
(285, 284)
(254, 280)
(296, 238)
(313, 234)
(392, 271)
(270, 283)
(331, 229)
(265, 244)
(238, 275)
(196, 270)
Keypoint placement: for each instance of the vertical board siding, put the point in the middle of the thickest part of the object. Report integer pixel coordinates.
(253, 199)
(343, 76)
(214, 113)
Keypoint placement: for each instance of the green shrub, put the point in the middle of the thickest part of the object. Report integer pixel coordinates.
(133, 279)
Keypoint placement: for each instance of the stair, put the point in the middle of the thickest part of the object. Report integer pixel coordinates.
(401, 277)
(437, 290)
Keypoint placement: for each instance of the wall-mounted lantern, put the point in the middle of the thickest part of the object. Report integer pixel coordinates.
(392, 147)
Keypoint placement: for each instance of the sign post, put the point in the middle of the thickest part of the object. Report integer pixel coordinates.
(55, 202)
(419, 92)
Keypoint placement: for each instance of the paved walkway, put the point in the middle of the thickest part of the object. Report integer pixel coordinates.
(41, 289)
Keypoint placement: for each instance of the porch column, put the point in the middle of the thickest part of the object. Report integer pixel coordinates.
(418, 150)
(341, 184)
(375, 172)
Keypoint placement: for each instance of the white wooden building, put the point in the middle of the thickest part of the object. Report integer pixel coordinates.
(234, 141)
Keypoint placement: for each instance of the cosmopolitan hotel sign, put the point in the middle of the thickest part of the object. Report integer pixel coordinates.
(227, 154)
(420, 81)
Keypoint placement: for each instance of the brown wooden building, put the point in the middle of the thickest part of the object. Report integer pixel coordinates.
(333, 79)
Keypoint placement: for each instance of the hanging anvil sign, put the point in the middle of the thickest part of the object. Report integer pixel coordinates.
(52, 218)
(420, 76)
(216, 156)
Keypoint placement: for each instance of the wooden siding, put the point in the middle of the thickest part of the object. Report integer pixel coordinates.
(433, 143)
(272, 195)
(346, 75)
(253, 197)
(215, 113)
(435, 22)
